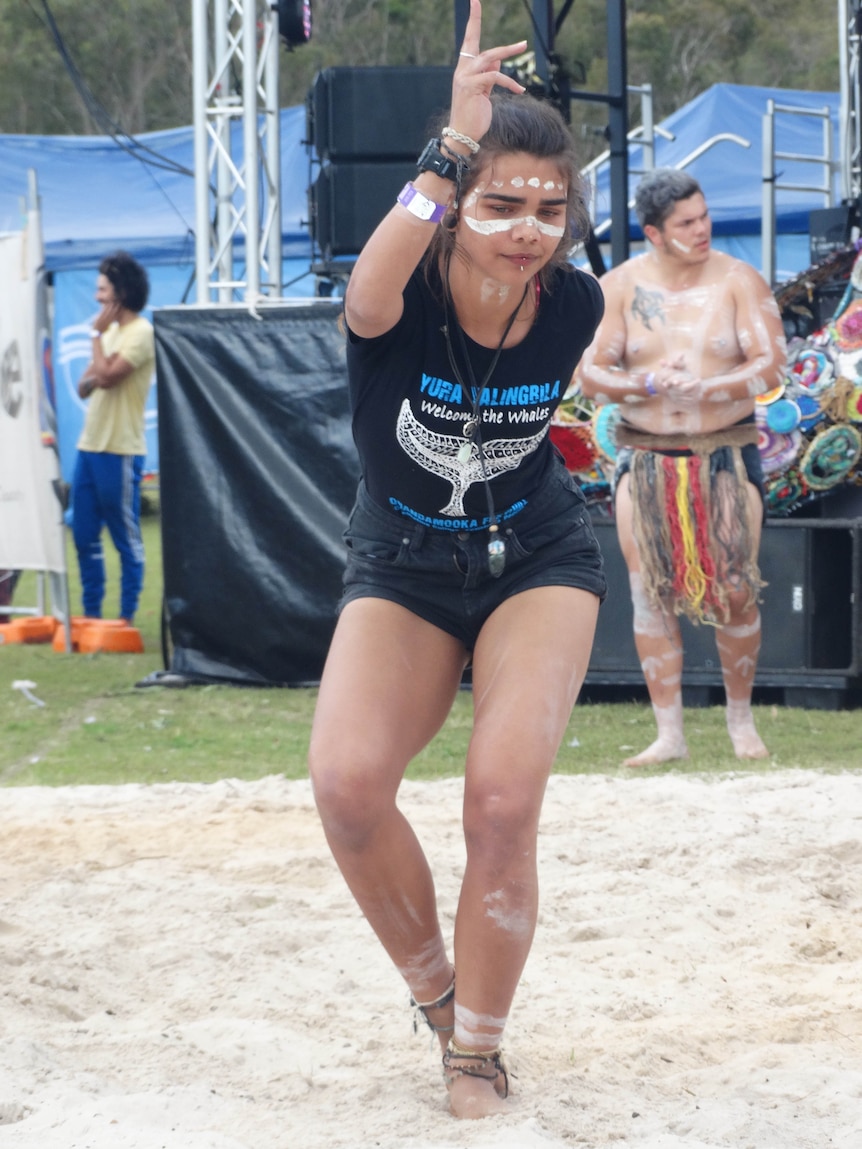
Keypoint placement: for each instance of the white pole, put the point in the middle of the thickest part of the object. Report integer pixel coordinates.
(199, 101)
(250, 151)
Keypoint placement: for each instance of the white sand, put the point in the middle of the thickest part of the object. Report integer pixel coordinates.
(181, 967)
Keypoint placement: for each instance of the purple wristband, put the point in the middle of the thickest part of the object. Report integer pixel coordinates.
(420, 205)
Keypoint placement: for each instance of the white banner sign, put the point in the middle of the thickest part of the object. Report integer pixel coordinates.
(31, 515)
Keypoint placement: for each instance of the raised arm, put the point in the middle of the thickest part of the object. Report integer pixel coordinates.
(373, 300)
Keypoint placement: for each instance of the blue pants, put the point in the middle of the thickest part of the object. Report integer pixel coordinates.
(106, 492)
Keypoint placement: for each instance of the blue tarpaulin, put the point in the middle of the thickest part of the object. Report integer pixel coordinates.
(731, 174)
(99, 194)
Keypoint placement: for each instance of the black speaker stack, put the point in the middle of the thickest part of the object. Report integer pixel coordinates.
(367, 126)
(811, 610)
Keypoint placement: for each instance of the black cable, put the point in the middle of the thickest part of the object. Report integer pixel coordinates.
(98, 113)
(101, 117)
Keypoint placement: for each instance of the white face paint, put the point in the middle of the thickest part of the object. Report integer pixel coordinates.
(494, 226)
(680, 246)
(519, 200)
(492, 290)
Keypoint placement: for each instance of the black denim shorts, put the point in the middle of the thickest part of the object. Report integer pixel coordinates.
(444, 576)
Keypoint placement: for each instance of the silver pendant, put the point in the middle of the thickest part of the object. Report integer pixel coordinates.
(496, 556)
(470, 427)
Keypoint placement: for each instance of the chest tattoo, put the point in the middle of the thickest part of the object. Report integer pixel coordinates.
(646, 306)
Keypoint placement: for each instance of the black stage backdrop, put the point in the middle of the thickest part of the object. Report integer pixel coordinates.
(258, 473)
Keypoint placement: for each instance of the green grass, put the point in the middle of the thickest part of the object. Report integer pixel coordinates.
(98, 727)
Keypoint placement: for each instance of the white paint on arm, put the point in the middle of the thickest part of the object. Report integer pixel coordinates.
(761, 339)
(602, 376)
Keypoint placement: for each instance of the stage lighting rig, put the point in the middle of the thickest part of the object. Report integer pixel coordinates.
(294, 21)
(556, 88)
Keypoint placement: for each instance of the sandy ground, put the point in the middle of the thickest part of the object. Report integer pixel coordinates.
(181, 968)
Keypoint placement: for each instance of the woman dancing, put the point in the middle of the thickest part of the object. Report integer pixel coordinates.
(469, 543)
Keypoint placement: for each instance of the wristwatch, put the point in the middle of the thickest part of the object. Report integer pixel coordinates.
(434, 160)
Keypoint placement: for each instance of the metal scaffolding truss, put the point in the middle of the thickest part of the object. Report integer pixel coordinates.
(237, 150)
(849, 31)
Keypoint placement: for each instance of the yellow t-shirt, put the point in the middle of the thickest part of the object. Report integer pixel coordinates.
(115, 415)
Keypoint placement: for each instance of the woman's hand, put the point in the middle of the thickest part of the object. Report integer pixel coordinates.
(476, 73)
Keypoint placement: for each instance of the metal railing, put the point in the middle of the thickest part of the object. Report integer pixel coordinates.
(772, 182)
(721, 137)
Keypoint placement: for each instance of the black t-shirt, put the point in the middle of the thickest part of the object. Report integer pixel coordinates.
(409, 409)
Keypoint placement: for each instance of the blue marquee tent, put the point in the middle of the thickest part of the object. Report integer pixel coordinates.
(731, 174)
(98, 195)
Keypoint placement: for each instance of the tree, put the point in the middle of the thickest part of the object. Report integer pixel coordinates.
(135, 56)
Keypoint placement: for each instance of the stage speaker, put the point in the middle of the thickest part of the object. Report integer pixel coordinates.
(379, 114)
(827, 297)
(347, 201)
(830, 229)
(810, 610)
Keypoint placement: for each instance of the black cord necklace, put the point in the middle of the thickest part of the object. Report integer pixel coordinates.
(472, 428)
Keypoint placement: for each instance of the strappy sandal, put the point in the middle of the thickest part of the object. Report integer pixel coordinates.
(423, 1006)
(487, 1064)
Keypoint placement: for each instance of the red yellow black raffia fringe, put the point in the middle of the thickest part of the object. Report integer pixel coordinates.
(693, 533)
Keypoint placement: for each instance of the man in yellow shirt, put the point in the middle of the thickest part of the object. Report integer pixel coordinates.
(106, 489)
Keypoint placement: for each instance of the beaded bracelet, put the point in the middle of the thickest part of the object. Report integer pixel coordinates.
(460, 138)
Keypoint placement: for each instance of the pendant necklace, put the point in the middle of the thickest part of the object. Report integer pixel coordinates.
(472, 428)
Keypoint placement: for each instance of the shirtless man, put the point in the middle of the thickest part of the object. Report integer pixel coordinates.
(690, 336)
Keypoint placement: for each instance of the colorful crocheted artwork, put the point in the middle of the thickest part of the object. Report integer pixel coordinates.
(595, 482)
(605, 421)
(575, 443)
(810, 412)
(854, 404)
(777, 451)
(831, 456)
(846, 329)
(785, 492)
(770, 396)
(812, 369)
(783, 416)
